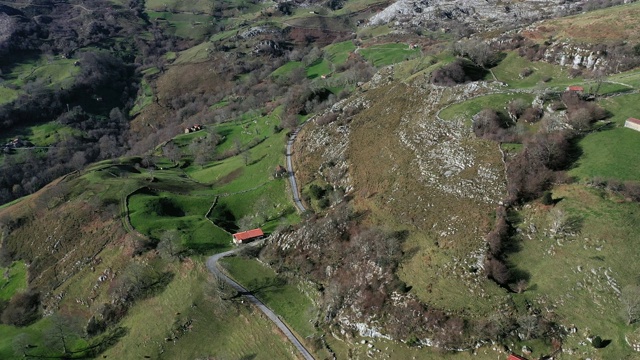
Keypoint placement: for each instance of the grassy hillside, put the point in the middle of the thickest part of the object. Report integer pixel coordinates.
(601, 26)
(402, 153)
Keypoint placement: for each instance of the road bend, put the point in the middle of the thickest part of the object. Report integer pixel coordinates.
(212, 265)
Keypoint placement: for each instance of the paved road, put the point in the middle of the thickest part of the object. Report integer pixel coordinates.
(292, 179)
(212, 265)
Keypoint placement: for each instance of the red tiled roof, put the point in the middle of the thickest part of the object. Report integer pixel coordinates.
(515, 357)
(634, 120)
(575, 88)
(250, 234)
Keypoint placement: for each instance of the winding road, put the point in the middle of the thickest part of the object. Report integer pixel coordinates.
(212, 264)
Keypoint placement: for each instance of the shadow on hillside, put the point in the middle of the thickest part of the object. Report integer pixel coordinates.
(108, 340)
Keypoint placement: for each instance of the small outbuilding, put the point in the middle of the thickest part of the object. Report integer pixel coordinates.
(575, 88)
(247, 236)
(632, 123)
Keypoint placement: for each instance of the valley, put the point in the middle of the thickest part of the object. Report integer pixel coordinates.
(466, 183)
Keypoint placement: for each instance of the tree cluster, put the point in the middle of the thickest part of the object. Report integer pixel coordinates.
(21, 310)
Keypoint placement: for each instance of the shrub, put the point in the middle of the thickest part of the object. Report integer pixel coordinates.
(632, 190)
(327, 118)
(531, 115)
(22, 310)
(546, 198)
(316, 191)
(597, 342)
(497, 270)
(525, 72)
(449, 74)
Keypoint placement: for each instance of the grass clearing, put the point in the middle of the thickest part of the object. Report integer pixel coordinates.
(55, 72)
(319, 68)
(8, 333)
(609, 25)
(45, 134)
(613, 153)
(203, 6)
(387, 54)
(284, 299)
(144, 98)
(225, 329)
(544, 75)
(286, 69)
(13, 279)
(7, 95)
(576, 275)
(185, 25)
(471, 107)
(154, 214)
(338, 53)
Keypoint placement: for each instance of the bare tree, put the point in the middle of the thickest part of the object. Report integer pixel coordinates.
(170, 245)
(172, 152)
(630, 301)
(62, 332)
(530, 325)
(246, 156)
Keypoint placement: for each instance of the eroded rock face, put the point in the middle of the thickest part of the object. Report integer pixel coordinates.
(476, 14)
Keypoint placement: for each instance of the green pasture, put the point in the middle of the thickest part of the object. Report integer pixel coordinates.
(7, 95)
(54, 72)
(219, 104)
(338, 53)
(233, 174)
(192, 6)
(218, 326)
(50, 133)
(369, 32)
(319, 68)
(154, 214)
(577, 275)
(270, 202)
(41, 135)
(36, 338)
(613, 153)
(387, 54)
(286, 69)
(12, 279)
(244, 131)
(283, 298)
(244, 184)
(509, 69)
(631, 78)
(471, 107)
(144, 98)
(185, 25)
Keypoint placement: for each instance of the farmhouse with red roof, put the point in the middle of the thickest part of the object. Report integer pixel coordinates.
(632, 123)
(247, 236)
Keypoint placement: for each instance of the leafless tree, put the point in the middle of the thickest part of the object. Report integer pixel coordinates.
(172, 152)
(630, 301)
(61, 333)
(170, 245)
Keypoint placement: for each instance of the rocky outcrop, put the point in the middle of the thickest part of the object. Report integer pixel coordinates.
(475, 14)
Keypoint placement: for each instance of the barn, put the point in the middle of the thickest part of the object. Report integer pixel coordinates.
(247, 236)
